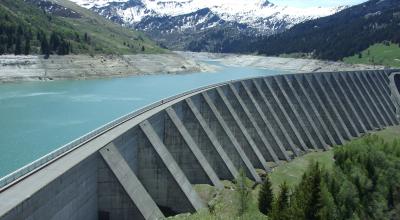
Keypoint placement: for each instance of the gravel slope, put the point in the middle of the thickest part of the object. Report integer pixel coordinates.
(33, 68)
(286, 64)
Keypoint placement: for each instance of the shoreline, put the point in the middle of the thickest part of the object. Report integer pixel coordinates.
(295, 65)
(80, 67)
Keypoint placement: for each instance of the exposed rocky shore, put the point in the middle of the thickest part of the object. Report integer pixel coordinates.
(33, 68)
(285, 64)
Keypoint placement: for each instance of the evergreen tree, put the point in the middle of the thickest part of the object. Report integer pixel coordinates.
(27, 48)
(308, 201)
(44, 46)
(265, 197)
(314, 205)
(18, 41)
(10, 38)
(282, 204)
(86, 38)
(2, 49)
(54, 41)
(63, 48)
(28, 37)
(20, 31)
(77, 38)
(243, 193)
(18, 45)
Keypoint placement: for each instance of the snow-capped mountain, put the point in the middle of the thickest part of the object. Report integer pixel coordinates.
(164, 20)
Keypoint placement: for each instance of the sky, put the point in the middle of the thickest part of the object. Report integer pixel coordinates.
(316, 3)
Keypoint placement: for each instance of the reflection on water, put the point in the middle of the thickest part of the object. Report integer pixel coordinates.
(38, 117)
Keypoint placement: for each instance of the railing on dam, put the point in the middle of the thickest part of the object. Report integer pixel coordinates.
(143, 165)
(37, 164)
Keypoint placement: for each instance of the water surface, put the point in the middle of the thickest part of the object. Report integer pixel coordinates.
(38, 117)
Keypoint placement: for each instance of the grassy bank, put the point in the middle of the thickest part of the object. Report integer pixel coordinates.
(222, 202)
(378, 54)
(291, 172)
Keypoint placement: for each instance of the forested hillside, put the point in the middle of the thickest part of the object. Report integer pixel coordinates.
(340, 35)
(363, 184)
(49, 27)
(334, 37)
(359, 180)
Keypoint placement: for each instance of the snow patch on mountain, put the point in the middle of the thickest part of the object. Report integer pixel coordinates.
(248, 12)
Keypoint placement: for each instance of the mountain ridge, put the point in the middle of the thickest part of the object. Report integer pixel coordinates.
(337, 36)
(166, 20)
(244, 12)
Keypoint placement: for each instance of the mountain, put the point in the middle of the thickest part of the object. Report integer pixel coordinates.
(183, 24)
(62, 27)
(334, 37)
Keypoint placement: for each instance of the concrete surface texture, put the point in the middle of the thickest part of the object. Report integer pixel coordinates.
(144, 168)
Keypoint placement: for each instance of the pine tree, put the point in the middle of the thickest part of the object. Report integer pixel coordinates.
(77, 38)
(243, 192)
(10, 39)
(282, 204)
(18, 41)
(54, 41)
(27, 48)
(314, 204)
(265, 197)
(63, 48)
(18, 45)
(44, 46)
(86, 38)
(309, 200)
(2, 49)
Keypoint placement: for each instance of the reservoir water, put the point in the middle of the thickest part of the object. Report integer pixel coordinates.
(38, 117)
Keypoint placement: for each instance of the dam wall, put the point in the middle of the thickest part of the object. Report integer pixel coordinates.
(144, 165)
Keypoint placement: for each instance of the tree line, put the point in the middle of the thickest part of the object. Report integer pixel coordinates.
(19, 39)
(334, 37)
(14, 38)
(364, 184)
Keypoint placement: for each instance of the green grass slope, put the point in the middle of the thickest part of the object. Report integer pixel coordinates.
(223, 201)
(80, 28)
(386, 54)
(292, 172)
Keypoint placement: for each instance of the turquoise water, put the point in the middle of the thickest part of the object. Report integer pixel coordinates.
(38, 117)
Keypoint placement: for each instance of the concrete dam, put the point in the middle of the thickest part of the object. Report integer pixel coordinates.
(144, 165)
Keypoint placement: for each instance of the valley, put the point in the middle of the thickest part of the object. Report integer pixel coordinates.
(204, 25)
(260, 27)
(199, 109)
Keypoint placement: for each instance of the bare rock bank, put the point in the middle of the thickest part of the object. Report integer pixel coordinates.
(33, 68)
(280, 63)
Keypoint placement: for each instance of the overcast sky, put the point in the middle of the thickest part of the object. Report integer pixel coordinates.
(316, 3)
